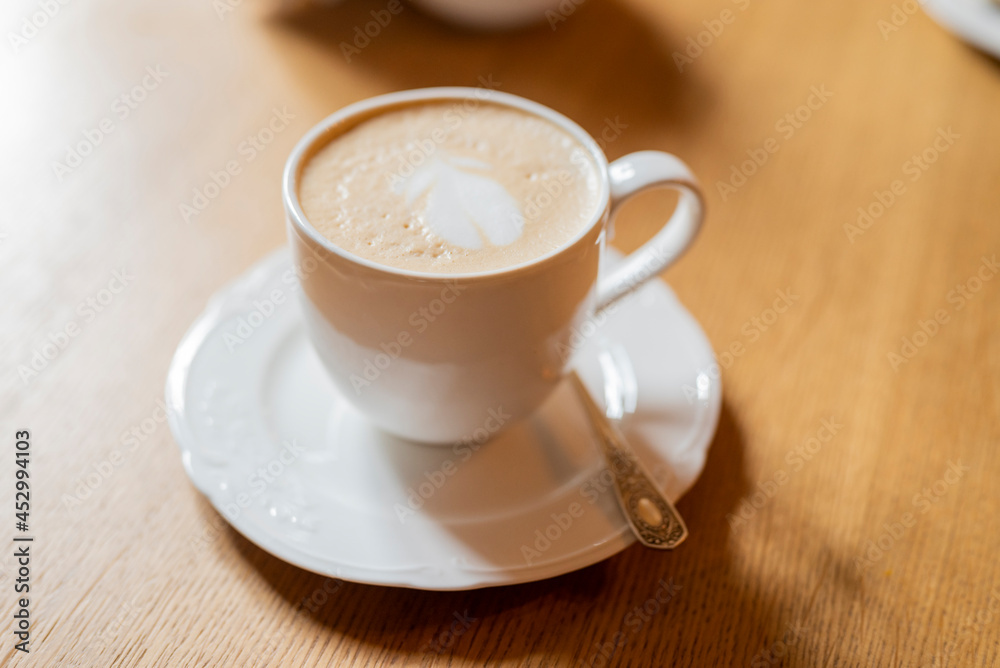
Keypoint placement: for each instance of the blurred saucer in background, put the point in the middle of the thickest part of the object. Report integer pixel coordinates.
(494, 14)
(975, 21)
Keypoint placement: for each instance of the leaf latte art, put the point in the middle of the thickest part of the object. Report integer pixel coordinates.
(463, 207)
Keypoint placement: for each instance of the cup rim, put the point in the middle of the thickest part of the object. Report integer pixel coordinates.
(298, 218)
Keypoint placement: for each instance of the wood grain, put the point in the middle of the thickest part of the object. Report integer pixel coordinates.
(140, 571)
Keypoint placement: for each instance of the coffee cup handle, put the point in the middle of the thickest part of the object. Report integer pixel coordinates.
(633, 174)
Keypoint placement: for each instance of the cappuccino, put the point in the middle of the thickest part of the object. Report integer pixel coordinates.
(450, 187)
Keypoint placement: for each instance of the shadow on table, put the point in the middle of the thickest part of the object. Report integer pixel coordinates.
(695, 606)
(604, 67)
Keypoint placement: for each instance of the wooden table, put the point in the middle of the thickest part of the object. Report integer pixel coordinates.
(848, 512)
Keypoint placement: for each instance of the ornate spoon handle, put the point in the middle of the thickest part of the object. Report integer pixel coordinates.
(654, 520)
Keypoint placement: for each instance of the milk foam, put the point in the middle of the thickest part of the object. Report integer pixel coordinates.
(443, 188)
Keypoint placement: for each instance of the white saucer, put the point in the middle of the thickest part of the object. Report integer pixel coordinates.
(528, 505)
(975, 21)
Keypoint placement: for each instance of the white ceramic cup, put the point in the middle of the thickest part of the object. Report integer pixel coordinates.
(442, 358)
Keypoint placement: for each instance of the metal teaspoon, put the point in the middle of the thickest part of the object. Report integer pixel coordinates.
(653, 518)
